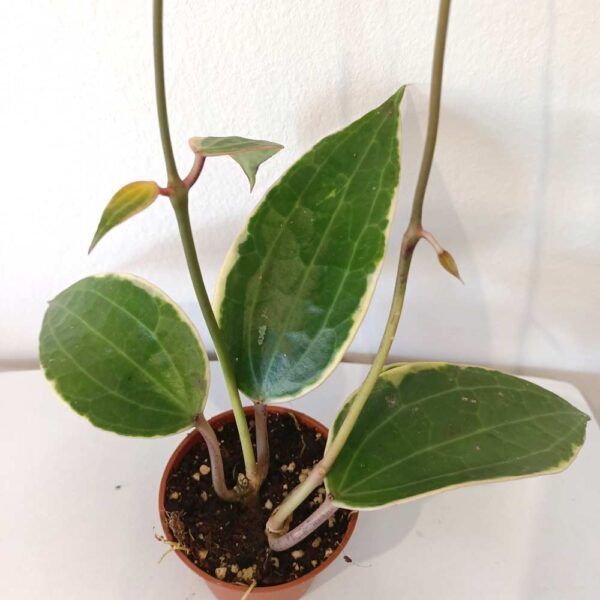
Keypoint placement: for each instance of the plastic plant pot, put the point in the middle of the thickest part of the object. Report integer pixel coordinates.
(222, 590)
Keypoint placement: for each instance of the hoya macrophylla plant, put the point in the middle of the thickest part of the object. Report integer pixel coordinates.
(293, 291)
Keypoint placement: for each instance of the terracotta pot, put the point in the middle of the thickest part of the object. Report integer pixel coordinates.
(229, 591)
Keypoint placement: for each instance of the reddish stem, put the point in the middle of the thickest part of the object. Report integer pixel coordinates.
(216, 461)
(279, 543)
(190, 179)
(262, 440)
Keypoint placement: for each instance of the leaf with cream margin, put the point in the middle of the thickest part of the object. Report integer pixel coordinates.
(249, 154)
(297, 282)
(127, 202)
(430, 427)
(124, 356)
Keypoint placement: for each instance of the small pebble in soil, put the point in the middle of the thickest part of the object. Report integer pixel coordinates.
(303, 475)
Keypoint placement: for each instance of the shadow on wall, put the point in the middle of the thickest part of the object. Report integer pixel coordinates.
(433, 323)
(540, 195)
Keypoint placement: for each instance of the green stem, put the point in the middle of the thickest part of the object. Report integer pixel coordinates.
(178, 193)
(180, 204)
(277, 523)
(161, 98)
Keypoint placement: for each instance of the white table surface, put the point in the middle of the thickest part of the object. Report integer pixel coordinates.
(67, 532)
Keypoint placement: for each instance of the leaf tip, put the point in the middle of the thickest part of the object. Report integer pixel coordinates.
(447, 261)
(95, 240)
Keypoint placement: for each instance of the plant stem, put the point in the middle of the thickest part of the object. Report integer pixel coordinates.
(178, 193)
(314, 520)
(161, 98)
(412, 235)
(180, 204)
(190, 179)
(262, 440)
(216, 460)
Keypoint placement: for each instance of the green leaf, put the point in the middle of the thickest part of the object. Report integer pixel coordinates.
(429, 427)
(128, 201)
(297, 283)
(249, 154)
(123, 355)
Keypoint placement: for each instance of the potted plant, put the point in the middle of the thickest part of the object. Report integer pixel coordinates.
(260, 499)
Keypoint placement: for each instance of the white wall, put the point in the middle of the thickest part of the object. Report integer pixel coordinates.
(514, 193)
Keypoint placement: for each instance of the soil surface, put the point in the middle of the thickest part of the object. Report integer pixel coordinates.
(227, 540)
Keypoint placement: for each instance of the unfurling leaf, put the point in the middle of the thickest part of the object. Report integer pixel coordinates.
(249, 154)
(298, 280)
(428, 427)
(123, 355)
(447, 261)
(128, 201)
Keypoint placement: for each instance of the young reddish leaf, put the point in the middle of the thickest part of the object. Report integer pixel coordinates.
(249, 154)
(128, 201)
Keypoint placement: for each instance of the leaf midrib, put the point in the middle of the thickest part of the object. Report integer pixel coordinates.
(309, 267)
(344, 279)
(152, 332)
(111, 391)
(417, 402)
(434, 447)
(133, 199)
(267, 256)
(474, 468)
(124, 355)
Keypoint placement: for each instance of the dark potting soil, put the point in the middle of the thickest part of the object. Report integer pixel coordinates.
(227, 540)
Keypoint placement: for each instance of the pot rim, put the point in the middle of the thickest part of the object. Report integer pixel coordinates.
(191, 439)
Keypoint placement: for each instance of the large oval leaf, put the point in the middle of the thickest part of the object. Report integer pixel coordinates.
(122, 354)
(127, 202)
(433, 426)
(296, 284)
